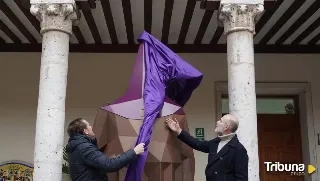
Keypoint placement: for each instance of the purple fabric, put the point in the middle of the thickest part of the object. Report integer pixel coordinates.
(135, 86)
(166, 74)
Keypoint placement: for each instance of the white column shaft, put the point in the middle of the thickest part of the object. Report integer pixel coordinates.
(242, 95)
(51, 107)
(239, 27)
(56, 28)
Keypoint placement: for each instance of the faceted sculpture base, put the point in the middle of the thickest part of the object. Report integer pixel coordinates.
(168, 158)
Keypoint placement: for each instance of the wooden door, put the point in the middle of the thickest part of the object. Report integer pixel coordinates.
(279, 140)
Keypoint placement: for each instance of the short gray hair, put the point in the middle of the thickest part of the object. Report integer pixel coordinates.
(233, 126)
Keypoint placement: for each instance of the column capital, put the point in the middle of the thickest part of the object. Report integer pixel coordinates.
(56, 16)
(239, 17)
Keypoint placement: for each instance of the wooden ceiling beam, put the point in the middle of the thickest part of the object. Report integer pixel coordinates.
(191, 4)
(81, 4)
(148, 16)
(86, 4)
(126, 6)
(2, 41)
(187, 48)
(26, 12)
(299, 22)
(92, 26)
(217, 35)
(9, 33)
(314, 40)
(203, 26)
(167, 20)
(15, 20)
(109, 20)
(266, 16)
(282, 20)
(77, 32)
(215, 4)
(307, 32)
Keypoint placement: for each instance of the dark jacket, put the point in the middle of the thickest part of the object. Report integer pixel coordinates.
(87, 163)
(229, 164)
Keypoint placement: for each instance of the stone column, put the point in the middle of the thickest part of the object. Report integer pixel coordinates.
(239, 27)
(56, 27)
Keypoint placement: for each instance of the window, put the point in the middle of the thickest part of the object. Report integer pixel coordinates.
(268, 105)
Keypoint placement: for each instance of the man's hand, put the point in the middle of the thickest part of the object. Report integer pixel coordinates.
(139, 149)
(174, 125)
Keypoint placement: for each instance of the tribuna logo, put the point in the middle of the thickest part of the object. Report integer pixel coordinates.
(294, 169)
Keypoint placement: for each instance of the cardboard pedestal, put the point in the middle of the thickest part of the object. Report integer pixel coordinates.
(161, 84)
(168, 158)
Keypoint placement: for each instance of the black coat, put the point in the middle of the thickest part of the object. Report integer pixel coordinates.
(87, 163)
(229, 164)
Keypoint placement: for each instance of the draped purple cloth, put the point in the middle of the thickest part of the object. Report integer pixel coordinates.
(166, 74)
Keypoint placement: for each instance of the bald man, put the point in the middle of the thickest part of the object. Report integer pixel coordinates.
(228, 158)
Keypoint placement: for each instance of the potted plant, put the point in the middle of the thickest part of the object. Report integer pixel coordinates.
(65, 167)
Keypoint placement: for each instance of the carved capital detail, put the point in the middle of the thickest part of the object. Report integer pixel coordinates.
(56, 17)
(239, 17)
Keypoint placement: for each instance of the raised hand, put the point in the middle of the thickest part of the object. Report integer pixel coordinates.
(173, 125)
